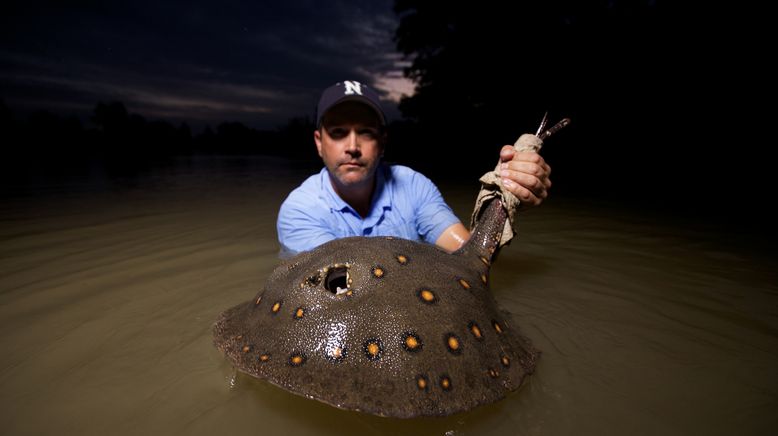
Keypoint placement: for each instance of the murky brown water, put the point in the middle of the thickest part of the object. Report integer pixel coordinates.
(107, 299)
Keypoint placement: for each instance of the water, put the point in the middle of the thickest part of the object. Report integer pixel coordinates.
(107, 296)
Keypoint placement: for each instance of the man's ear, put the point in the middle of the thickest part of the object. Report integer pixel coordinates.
(317, 140)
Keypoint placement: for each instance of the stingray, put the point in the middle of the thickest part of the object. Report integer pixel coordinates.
(384, 325)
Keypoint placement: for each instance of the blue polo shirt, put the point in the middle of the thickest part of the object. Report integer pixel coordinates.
(405, 204)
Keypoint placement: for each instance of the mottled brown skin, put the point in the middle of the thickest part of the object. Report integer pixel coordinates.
(417, 333)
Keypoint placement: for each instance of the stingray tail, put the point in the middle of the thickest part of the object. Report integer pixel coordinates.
(485, 235)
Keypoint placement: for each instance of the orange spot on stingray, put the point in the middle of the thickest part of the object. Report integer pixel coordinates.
(297, 359)
(475, 330)
(427, 296)
(453, 343)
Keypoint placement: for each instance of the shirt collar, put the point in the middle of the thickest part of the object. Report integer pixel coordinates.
(382, 196)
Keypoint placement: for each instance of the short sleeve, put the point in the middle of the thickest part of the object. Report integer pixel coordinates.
(433, 215)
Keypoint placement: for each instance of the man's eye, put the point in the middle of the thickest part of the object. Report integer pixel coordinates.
(368, 133)
(337, 133)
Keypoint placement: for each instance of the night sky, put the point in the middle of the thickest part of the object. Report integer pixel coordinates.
(259, 63)
(667, 101)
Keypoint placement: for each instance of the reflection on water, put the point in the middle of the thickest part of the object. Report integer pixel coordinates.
(108, 293)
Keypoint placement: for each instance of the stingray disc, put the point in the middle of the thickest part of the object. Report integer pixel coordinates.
(380, 325)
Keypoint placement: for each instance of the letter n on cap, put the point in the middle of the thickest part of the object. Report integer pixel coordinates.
(352, 87)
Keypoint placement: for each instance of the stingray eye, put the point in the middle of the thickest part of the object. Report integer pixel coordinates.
(314, 280)
(337, 280)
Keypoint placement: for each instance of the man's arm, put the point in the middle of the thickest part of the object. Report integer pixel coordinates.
(434, 218)
(525, 174)
(453, 237)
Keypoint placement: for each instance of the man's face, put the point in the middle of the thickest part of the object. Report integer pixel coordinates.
(350, 143)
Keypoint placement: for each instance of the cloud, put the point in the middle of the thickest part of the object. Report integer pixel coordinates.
(389, 78)
(394, 85)
(260, 63)
(160, 95)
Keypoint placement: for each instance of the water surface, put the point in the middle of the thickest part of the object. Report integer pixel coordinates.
(108, 290)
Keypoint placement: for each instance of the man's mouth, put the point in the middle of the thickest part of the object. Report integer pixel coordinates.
(351, 164)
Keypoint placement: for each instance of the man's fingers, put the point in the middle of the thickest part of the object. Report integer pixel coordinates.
(533, 192)
(525, 174)
(526, 196)
(515, 170)
(528, 156)
(539, 171)
(535, 184)
(506, 153)
(509, 155)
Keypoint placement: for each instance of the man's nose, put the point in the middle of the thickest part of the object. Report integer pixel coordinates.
(352, 142)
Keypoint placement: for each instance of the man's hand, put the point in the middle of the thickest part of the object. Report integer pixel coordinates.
(525, 174)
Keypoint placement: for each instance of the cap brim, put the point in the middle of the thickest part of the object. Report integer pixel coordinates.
(358, 98)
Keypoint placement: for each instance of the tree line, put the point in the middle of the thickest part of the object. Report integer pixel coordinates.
(115, 134)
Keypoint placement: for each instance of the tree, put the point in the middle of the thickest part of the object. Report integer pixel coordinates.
(486, 72)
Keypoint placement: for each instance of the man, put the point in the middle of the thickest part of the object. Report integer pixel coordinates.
(355, 194)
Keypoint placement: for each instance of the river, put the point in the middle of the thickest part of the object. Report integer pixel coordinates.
(109, 287)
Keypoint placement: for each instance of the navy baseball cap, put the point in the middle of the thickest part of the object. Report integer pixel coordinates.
(348, 90)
